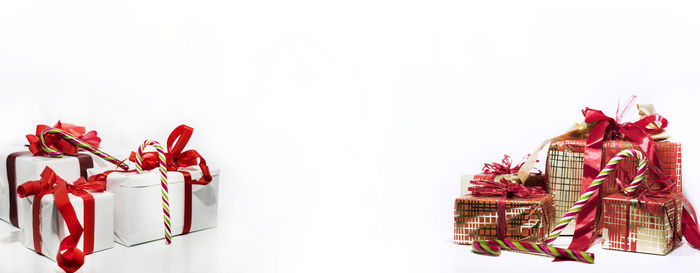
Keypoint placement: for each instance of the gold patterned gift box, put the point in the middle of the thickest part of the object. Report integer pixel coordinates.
(526, 219)
(565, 171)
(651, 225)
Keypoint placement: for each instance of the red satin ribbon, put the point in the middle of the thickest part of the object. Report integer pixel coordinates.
(176, 158)
(506, 189)
(69, 257)
(689, 224)
(59, 143)
(607, 128)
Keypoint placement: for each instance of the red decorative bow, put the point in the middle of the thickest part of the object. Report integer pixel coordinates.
(175, 157)
(607, 128)
(69, 257)
(504, 188)
(501, 168)
(59, 143)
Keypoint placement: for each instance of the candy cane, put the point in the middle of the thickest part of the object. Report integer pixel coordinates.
(641, 170)
(163, 181)
(493, 247)
(76, 141)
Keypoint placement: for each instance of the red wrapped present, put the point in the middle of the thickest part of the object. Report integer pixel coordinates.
(565, 163)
(648, 225)
(503, 210)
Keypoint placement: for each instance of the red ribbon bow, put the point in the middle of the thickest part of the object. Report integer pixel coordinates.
(69, 257)
(59, 143)
(607, 128)
(175, 157)
(504, 188)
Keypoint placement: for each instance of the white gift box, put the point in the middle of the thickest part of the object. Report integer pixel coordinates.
(138, 209)
(29, 167)
(53, 228)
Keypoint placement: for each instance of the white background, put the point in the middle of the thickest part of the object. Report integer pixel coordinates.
(341, 128)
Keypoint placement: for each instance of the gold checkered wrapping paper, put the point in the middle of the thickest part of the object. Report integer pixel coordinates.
(649, 226)
(565, 172)
(527, 219)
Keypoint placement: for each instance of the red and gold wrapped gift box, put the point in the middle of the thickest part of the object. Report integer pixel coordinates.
(526, 219)
(565, 171)
(651, 225)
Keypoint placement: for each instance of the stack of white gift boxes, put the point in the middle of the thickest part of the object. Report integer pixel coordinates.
(128, 205)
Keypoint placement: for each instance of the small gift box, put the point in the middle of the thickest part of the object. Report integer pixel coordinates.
(192, 193)
(567, 157)
(496, 171)
(138, 210)
(20, 164)
(503, 210)
(648, 225)
(63, 221)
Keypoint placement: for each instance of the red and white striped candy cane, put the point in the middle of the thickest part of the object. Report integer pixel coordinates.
(163, 181)
(78, 142)
(641, 170)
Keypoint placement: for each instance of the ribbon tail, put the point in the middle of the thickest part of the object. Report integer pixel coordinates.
(689, 225)
(501, 218)
(585, 231)
(69, 257)
(524, 171)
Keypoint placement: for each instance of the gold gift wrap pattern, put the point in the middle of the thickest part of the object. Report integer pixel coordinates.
(527, 219)
(652, 225)
(565, 171)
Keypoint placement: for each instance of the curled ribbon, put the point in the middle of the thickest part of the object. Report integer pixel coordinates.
(504, 188)
(176, 157)
(69, 257)
(57, 143)
(505, 167)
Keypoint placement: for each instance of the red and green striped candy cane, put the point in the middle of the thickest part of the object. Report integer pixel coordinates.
(163, 181)
(78, 142)
(595, 185)
(493, 247)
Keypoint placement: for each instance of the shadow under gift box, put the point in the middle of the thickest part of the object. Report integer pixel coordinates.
(53, 228)
(565, 172)
(29, 167)
(526, 219)
(138, 209)
(649, 226)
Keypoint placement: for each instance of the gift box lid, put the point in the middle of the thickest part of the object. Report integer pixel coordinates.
(663, 200)
(97, 161)
(150, 177)
(514, 199)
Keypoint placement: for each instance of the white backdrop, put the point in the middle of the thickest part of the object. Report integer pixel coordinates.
(341, 129)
